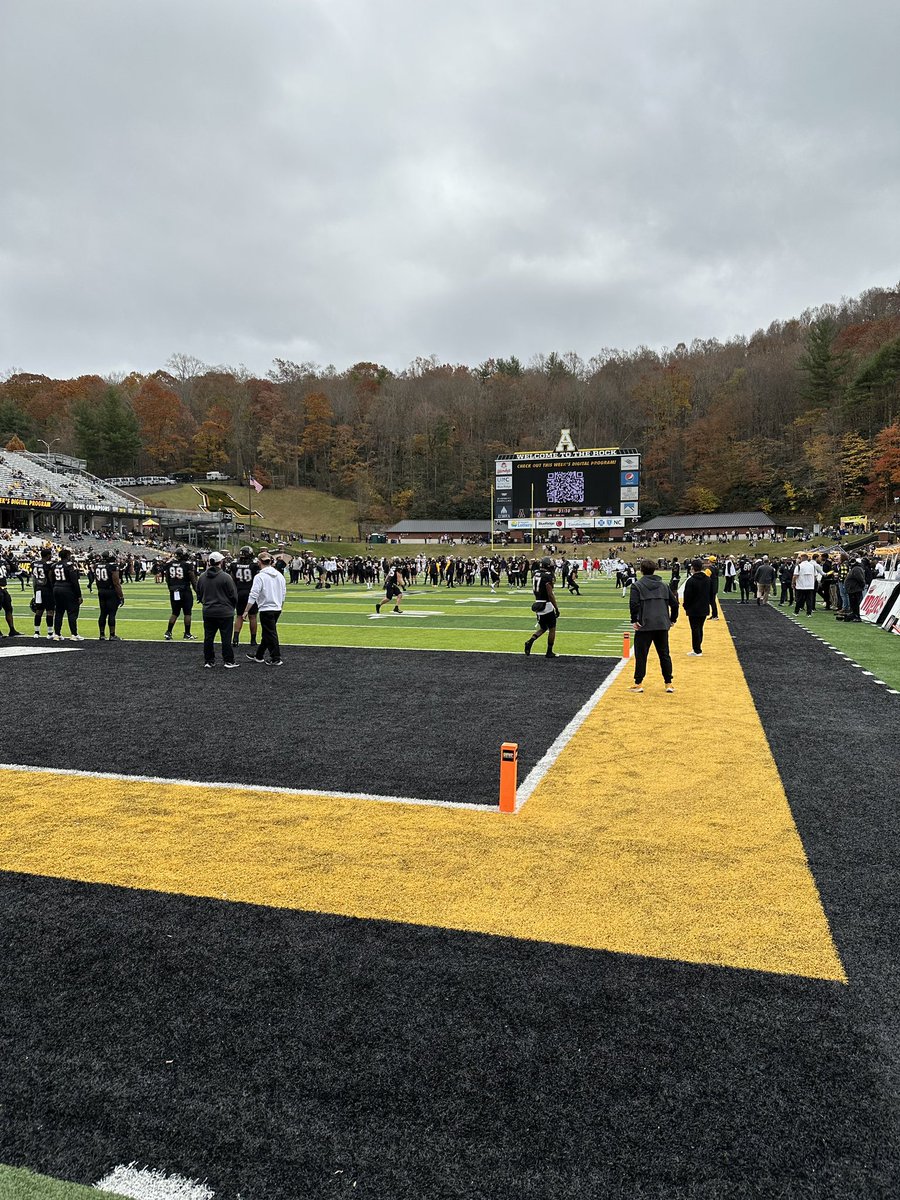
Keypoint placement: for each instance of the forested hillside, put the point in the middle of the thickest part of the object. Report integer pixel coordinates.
(801, 418)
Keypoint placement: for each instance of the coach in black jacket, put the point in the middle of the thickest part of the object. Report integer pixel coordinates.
(218, 595)
(696, 605)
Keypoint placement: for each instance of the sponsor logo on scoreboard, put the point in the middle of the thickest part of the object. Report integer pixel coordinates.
(629, 508)
(630, 462)
(504, 466)
(630, 493)
(630, 478)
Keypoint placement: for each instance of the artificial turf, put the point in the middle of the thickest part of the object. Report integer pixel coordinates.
(869, 645)
(460, 618)
(427, 726)
(19, 1184)
(280, 1054)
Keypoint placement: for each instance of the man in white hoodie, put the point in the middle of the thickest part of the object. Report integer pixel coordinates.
(268, 592)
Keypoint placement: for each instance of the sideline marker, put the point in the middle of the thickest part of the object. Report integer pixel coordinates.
(509, 767)
(626, 644)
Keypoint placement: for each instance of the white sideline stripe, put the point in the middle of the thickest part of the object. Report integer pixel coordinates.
(18, 651)
(540, 769)
(142, 1183)
(244, 787)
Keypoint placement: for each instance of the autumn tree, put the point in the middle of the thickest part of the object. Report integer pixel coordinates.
(165, 424)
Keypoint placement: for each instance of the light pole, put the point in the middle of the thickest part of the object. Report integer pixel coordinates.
(48, 445)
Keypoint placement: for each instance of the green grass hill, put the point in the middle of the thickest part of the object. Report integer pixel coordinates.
(300, 510)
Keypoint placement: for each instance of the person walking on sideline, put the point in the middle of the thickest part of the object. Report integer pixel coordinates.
(268, 592)
(546, 608)
(696, 605)
(654, 609)
(764, 578)
(217, 593)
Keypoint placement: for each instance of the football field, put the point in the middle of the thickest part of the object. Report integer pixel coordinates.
(459, 618)
(267, 936)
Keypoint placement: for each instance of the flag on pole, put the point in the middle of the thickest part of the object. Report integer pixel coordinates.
(255, 484)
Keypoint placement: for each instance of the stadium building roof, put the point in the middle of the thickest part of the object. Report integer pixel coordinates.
(700, 521)
(437, 527)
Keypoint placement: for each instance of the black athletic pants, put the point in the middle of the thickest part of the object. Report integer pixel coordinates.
(212, 626)
(66, 603)
(268, 638)
(109, 605)
(697, 623)
(643, 639)
(806, 598)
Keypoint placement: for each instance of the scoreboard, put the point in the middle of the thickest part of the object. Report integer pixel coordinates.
(567, 488)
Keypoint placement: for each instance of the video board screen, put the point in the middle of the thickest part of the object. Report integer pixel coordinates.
(589, 485)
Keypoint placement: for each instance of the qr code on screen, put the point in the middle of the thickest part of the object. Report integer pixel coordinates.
(565, 487)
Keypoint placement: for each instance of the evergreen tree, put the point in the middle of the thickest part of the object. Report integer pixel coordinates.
(825, 368)
(107, 434)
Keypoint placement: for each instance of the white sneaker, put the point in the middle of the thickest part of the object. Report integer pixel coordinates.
(694, 654)
(76, 637)
(37, 635)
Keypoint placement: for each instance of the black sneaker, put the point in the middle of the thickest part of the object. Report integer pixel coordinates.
(168, 637)
(275, 662)
(101, 638)
(253, 643)
(528, 646)
(253, 658)
(14, 633)
(235, 641)
(189, 637)
(378, 608)
(396, 609)
(550, 654)
(114, 637)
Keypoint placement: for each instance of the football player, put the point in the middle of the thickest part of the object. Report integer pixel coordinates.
(243, 572)
(42, 602)
(67, 596)
(6, 599)
(179, 575)
(109, 594)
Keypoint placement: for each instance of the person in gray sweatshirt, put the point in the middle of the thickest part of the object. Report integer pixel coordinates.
(654, 610)
(217, 593)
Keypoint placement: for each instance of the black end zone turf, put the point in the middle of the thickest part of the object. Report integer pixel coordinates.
(835, 736)
(281, 1055)
(392, 723)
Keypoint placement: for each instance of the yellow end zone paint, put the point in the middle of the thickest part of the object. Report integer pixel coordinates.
(662, 829)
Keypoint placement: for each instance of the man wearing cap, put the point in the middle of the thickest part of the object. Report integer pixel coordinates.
(218, 595)
(764, 578)
(268, 592)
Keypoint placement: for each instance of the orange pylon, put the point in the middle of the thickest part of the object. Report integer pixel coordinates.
(626, 645)
(509, 766)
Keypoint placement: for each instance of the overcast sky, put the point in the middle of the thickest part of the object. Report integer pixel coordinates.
(352, 180)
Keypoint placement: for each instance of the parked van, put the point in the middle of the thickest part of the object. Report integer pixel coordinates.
(215, 477)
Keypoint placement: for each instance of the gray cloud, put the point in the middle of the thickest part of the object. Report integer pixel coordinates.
(379, 180)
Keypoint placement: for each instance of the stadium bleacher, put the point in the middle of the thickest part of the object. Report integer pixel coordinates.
(24, 476)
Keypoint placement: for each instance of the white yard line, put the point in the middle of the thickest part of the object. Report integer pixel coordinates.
(213, 785)
(540, 769)
(142, 1183)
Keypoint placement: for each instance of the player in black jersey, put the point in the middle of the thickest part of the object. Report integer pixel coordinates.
(42, 601)
(546, 608)
(6, 599)
(66, 595)
(179, 576)
(393, 587)
(243, 572)
(109, 594)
